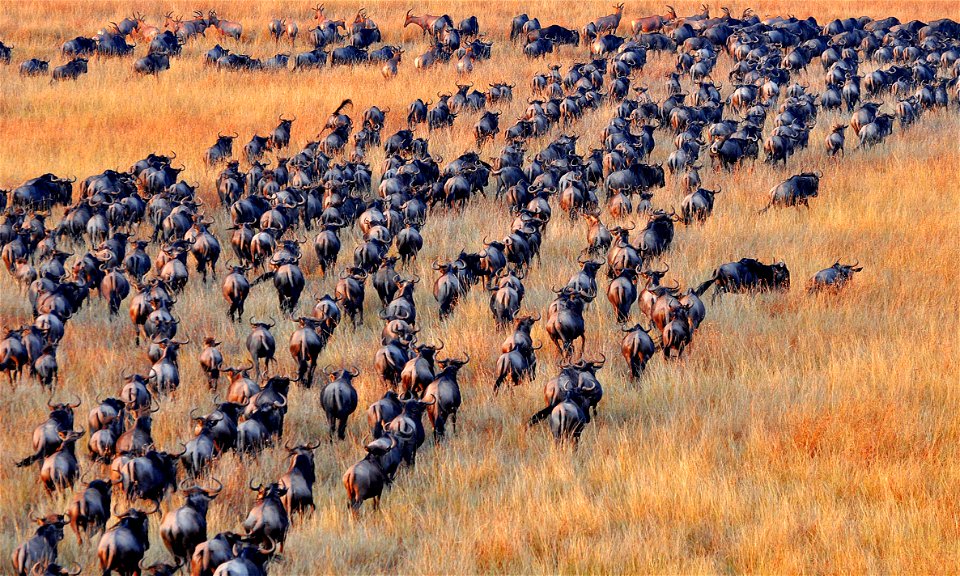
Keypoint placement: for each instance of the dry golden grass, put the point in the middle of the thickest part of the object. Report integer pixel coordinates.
(801, 434)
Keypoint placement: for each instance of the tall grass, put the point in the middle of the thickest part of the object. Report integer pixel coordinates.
(800, 434)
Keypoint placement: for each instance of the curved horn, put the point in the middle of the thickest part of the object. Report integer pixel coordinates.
(216, 492)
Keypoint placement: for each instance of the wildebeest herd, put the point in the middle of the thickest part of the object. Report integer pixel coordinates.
(132, 236)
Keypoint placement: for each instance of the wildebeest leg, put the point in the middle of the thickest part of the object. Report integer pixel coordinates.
(301, 372)
(342, 429)
(556, 342)
(496, 385)
(311, 372)
(332, 423)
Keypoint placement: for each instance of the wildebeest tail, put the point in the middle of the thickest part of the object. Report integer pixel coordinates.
(540, 416)
(263, 277)
(699, 290)
(29, 460)
(346, 102)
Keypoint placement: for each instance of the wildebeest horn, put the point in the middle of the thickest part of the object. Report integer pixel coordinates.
(257, 489)
(79, 401)
(214, 493)
(268, 551)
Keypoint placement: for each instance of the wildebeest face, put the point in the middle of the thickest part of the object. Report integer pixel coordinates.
(781, 276)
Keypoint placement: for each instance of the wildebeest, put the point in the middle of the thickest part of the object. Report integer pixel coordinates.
(835, 140)
(90, 509)
(339, 399)
(71, 70)
(261, 345)
(152, 64)
(366, 479)
(637, 348)
(299, 479)
(209, 555)
(79, 46)
(833, 278)
(221, 151)
(123, 546)
(268, 520)
(565, 323)
(747, 275)
(5, 53)
(280, 137)
(698, 205)
(34, 67)
(446, 394)
(794, 191)
(41, 549)
(186, 527)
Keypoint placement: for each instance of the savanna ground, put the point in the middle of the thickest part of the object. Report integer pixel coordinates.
(799, 434)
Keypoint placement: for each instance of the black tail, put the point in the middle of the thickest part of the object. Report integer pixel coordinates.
(29, 460)
(263, 277)
(539, 416)
(342, 105)
(699, 290)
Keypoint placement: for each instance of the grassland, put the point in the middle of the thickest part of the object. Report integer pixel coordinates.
(801, 434)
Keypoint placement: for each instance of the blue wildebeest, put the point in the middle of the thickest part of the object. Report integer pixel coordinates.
(794, 191)
(747, 275)
(833, 278)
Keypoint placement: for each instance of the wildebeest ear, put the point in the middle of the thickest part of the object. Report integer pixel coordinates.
(858, 269)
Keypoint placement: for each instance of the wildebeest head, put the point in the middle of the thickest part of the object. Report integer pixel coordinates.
(781, 276)
(270, 491)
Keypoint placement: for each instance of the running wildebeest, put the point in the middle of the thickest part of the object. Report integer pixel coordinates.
(747, 275)
(833, 278)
